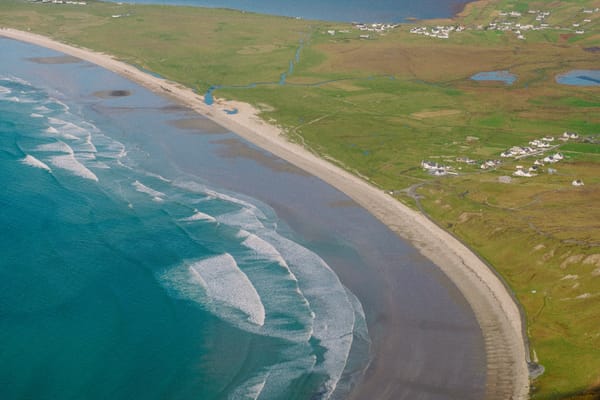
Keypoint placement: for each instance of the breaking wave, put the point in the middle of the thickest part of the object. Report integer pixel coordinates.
(219, 284)
(34, 162)
(69, 163)
(155, 194)
(199, 216)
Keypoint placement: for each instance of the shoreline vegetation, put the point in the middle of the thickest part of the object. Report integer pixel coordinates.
(494, 307)
(382, 106)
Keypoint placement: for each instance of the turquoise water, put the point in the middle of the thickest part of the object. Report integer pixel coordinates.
(336, 10)
(580, 77)
(132, 267)
(120, 282)
(501, 76)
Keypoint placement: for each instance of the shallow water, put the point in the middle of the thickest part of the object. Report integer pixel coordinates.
(501, 76)
(134, 267)
(580, 77)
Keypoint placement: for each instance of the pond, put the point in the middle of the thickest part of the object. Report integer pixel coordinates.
(580, 77)
(503, 76)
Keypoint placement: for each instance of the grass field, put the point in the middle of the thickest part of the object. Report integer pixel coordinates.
(380, 106)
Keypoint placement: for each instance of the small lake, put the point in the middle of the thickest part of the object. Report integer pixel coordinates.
(503, 76)
(580, 77)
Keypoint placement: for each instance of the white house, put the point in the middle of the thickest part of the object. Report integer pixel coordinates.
(522, 173)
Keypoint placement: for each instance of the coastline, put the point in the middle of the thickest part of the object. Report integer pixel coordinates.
(493, 306)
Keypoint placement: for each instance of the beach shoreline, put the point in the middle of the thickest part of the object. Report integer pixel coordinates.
(496, 312)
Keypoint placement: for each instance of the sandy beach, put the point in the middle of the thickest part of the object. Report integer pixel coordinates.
(494, 307)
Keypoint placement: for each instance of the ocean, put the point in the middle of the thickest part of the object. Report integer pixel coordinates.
(389, 11)
(148, 253)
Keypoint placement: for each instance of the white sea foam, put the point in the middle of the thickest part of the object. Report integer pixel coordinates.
(280, 376)
(108, 147)
(334, 312)
(56, 102)
(5, 90)
(15, 79)
(42, 109)
(234, 200)
(58, 147)
(245, 219)
(52, 131)
(36, 115)
(159, 177)
(219, 284)
(15, 99)
(289, 313)
(265, 250)
(225, 282)
(34, 162)
(199, 216)
(69, 130)
(99, 165)
(155, 194)
(69, 162)
(251, 389)
(211, 194)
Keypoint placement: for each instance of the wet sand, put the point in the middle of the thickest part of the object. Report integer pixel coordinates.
(496, 312)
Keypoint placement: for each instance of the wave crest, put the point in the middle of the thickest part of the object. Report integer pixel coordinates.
(34, 162)
(218, 283)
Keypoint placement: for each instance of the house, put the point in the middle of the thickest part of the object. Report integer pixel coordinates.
(553, 158)
(522, 173)
(429, 165)
(571, 135)
(577, 182)
(490, 164)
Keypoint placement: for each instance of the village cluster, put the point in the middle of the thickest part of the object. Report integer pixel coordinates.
(372, 28)
(377, 27)
(536, 147)
(437, 169)
(78, 3)
(513, 22)
(440, 32)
